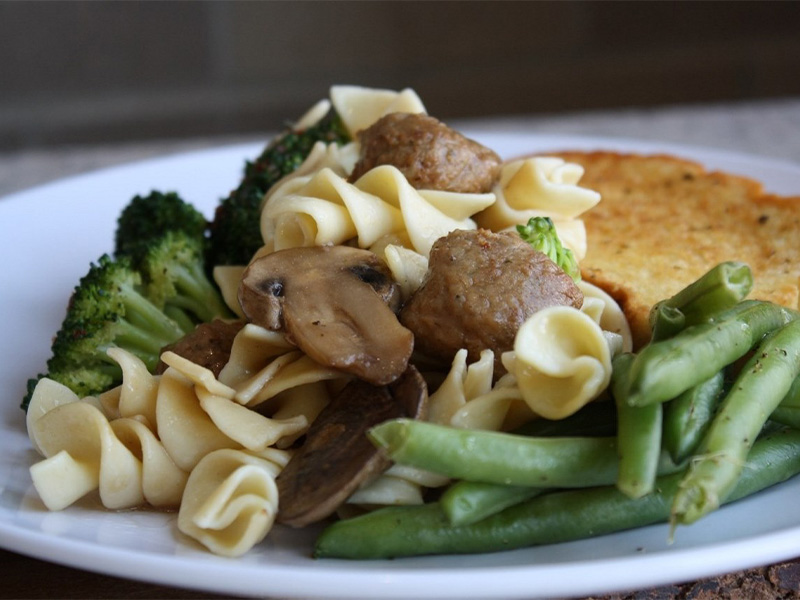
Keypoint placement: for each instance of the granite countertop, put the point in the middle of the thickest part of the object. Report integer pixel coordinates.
(769, 128)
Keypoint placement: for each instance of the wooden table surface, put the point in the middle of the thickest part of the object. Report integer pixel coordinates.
(770, 129)
(26, 578)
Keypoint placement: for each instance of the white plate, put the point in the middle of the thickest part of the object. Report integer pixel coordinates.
(49, 235)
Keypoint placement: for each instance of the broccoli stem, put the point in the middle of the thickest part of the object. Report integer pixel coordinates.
(147, 322)
(181, 317)
(196, 293)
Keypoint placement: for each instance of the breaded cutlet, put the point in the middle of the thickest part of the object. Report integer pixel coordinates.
(664, 221)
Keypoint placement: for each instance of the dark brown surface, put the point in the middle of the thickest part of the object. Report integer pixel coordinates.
(26, 578)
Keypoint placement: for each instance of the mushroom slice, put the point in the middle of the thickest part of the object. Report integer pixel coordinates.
(337, 457)
(336, 303)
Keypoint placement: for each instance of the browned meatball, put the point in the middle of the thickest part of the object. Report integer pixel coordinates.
(480, 287)
(209, 345)
(430, 154)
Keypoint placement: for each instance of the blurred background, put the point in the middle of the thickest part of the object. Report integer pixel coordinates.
(105, 72)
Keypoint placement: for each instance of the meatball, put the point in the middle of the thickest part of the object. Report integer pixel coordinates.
(429, 154)
(480, 287)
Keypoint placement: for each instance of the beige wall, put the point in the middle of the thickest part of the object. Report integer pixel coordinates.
(86, 72)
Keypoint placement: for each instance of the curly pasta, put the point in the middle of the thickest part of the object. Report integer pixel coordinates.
(561, 360)
(605, 311)
(468, 399)
(359, 107)
(427, 215)
(408, 268)
(262, 365)
(546, 187)
(324, 208)
(339, 159)
(231, 499)
(84, 451)
(137, 395)
(138, 442)
(399, 485)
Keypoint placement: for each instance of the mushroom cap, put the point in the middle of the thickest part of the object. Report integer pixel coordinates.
(336, 303)
(337, 457)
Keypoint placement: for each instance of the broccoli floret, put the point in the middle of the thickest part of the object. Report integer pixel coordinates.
(540, 232)
(107, 308)
(235, 233)
(149, 217)
(173, 271)
(164, 238)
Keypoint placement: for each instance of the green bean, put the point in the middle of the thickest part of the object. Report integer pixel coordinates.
(470, 501)
(467, 502)
(687, 417)
(495, 457)
(665, 321)
(545, 519)
(788, 411)
(638, 435)
(761, 385)
(665, 369)
(639, 443)
(717, 290)
(502, 458)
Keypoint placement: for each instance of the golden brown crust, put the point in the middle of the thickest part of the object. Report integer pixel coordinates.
(664, 221)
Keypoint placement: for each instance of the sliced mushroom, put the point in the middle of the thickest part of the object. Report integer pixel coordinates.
(337, 458)
(336, 303)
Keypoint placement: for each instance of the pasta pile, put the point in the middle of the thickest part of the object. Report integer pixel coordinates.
(212, 447)
(184, 439)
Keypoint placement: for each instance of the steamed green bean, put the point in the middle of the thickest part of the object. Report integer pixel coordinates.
(496, 457)
(545, 519)
(503, 458)
(758, 390)
(788, 411)
(688, 417)
(638, 435)
(665, 369)
(719, 289)
(468, 502)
